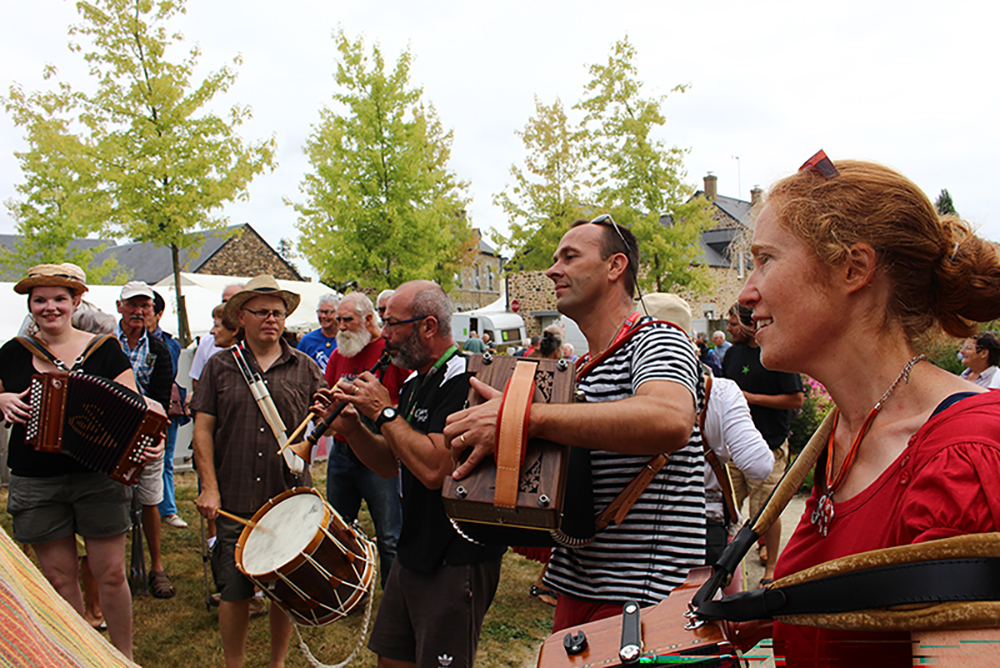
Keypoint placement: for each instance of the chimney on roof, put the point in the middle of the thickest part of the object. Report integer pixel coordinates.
(711, 187)
(756, 195)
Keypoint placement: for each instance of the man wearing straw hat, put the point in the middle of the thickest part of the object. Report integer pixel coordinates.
(235, 448)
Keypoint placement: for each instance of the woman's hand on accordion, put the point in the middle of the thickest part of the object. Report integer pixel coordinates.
(15, 411)
(156, 452)
(474, 428)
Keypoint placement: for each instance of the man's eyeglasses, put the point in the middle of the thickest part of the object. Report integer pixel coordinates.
(325, 312)
(821, 164)
(393, 323)
(381, 310)
(606, 219)
(264, 314)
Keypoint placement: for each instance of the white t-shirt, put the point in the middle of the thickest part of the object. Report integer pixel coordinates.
(730, 432)
(206, 348)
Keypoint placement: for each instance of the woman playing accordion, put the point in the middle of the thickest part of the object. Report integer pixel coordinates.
(52, 496)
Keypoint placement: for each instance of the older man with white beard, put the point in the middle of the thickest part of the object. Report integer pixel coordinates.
(348, 481)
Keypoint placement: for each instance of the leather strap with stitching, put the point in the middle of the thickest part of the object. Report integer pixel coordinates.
(619, 507)
(512, 433)
(39, 350)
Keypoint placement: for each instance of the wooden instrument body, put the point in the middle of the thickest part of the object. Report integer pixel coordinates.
(542, 481)
(103, 425)
(663, 634)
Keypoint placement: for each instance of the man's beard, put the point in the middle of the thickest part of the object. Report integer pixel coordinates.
(409, 354)
(351, 343)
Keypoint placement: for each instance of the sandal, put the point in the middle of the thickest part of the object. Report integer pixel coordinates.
(160, 586)
(543, 594)
(764, 582)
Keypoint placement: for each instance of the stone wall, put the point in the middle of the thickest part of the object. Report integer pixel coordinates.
(247, 254)
(533, 289)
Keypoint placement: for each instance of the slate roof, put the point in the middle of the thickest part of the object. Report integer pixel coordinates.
(149, 263)
(9, 242)
(715, 242)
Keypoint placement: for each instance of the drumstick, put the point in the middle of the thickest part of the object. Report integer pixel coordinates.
(246, 522)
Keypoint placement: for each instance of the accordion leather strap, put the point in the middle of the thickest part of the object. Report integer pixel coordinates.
(512, 433)
(619, 507)
(38, 349)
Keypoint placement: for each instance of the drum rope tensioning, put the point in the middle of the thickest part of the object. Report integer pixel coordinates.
(309, 562)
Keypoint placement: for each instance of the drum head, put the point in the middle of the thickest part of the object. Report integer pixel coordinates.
(283, 533)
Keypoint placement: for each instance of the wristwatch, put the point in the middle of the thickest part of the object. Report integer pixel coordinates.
(388, 414)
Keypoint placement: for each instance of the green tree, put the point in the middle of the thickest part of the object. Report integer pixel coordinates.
(381, 205)
(944, 204)
(548, 192)
(141, 156)
(639, 177)
(60, 199)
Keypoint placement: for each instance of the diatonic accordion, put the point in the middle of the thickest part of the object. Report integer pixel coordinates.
(103, 425)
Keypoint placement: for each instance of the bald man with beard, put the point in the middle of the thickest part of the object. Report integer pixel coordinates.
(348, 481)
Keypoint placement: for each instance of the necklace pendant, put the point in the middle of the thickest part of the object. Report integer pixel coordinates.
(823, 515)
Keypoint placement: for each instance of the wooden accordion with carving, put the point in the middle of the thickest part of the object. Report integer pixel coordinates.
(103, 425)
(524, 485)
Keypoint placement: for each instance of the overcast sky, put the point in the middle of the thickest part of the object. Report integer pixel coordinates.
(911, 85)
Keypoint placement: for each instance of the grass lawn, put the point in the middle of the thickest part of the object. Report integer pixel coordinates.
(181, 632)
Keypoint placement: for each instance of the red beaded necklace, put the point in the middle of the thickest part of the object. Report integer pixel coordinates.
(822, 517)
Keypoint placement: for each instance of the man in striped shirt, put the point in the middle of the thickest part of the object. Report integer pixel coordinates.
(643, 398)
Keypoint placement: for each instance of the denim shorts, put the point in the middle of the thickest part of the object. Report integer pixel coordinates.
(90, 504)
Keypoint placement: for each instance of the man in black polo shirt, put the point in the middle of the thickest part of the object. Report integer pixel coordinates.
(440, 585)
(772, 396)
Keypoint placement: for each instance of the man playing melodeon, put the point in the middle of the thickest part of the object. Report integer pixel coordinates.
(642, 398)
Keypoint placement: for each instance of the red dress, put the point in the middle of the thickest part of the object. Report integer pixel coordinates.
(946, 483)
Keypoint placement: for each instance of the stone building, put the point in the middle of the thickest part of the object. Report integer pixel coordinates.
(723, 249)
(478, 285)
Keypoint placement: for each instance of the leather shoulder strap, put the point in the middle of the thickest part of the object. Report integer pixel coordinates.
(621, 504)
(92, 347)
(38, 349)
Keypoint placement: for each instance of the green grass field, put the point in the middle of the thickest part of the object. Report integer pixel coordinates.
(181, 632)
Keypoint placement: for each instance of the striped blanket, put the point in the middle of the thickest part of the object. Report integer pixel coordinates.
(39, 628)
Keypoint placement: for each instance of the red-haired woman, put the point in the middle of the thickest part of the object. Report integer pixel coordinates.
(853, 269)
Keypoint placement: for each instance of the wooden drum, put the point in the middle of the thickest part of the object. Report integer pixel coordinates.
(306, 559)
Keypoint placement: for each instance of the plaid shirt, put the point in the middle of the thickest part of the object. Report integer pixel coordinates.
(142, 361)
(247, 466)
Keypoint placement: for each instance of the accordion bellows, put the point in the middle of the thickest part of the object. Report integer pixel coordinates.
(101, 424)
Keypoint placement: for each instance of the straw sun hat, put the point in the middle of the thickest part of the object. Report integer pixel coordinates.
(65, 275)
(261, 286)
